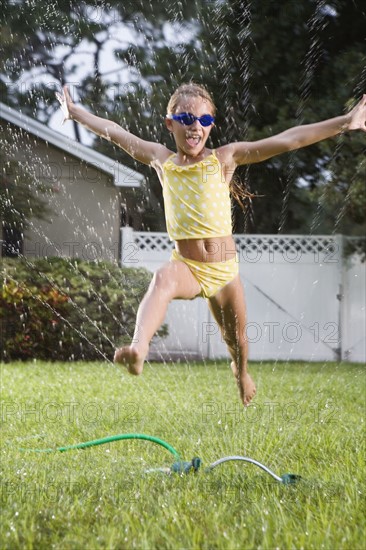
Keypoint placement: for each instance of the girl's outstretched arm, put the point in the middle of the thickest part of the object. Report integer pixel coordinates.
(296, 137)
(139, 149)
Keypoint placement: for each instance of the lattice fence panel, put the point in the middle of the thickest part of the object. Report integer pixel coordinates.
(149, 241)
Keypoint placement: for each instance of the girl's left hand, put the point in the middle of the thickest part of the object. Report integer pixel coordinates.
(357, 117)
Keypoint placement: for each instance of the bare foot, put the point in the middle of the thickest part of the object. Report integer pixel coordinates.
(247, 390)
(246, 385)
(131, 358)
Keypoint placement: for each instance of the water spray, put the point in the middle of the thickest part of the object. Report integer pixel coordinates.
(179, 466)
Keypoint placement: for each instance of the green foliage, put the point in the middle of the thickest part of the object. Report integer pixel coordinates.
(342, 195)
(31, 321)
(68, 309)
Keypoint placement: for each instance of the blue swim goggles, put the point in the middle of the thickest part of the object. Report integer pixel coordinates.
(187, 119)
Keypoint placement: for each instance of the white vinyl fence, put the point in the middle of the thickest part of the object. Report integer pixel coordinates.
(305, 299)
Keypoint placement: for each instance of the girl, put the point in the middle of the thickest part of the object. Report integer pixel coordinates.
(196, 185)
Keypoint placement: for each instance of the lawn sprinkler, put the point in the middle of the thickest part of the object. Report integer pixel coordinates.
(286, 479)
(181, 467)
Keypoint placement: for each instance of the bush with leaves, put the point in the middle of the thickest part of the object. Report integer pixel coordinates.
(30, 321)
(67, 309)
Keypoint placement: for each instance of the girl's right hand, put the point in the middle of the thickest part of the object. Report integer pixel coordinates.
(65, 103)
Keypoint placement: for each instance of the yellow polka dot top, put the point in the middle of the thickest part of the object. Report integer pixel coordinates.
(197, 199)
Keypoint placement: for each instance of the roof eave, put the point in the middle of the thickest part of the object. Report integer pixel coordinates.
(122, 175)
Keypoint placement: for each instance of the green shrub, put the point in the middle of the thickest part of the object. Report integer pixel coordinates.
(67, 309)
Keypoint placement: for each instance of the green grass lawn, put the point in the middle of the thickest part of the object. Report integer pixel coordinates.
(307, 419)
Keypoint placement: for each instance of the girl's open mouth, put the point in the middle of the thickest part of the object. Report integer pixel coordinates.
(193, 140)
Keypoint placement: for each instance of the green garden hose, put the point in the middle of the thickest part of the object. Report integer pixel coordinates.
(109, 439)
(180, 466)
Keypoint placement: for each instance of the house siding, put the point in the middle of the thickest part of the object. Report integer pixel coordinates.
(85, 205)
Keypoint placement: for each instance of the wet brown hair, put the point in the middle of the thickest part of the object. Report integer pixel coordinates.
(237, 189)
(190, 89)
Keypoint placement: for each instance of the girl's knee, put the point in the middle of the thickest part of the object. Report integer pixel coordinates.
(163, 280)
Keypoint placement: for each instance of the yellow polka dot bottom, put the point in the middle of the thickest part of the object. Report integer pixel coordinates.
(211, 276)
